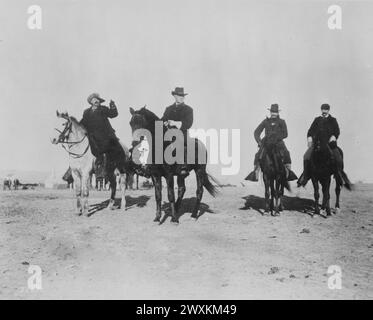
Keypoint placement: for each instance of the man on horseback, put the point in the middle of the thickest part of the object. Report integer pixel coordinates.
(105, 145)
(327, 127)
(179, 116)
(275, 131)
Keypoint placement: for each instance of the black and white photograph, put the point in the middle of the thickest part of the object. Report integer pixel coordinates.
(186, 150)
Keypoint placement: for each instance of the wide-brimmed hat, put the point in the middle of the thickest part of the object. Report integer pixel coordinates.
(94, 95)
(179, 92)
(325, 106)
(274, 108)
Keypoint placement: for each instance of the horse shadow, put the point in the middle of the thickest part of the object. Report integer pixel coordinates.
(302, 205)
(139, 202)
(186, 206)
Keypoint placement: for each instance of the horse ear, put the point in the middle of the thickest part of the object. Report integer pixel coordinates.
(58, 114)
(132, 111)
(144, 106)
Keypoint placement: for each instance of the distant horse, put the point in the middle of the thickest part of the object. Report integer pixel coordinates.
(322, 168)
(145, 119)
(274, 177)
(74, 140)
(7, 183)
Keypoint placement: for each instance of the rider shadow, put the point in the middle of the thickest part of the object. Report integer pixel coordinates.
(187, 206)
(302, 205)
(139, 202)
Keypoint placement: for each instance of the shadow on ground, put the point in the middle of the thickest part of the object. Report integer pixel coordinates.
(187, 206)
(302, 205)
(139, 202)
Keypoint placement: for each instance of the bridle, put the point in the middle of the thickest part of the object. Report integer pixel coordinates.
(64, 135)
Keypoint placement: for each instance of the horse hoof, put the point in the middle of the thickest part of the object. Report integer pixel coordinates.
(157, 219)
(337, 211)
(174, 221)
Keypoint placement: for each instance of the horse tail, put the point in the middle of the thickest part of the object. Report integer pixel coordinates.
(346, 181)
(206, 182)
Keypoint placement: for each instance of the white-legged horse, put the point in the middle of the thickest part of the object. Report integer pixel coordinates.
(73, 137)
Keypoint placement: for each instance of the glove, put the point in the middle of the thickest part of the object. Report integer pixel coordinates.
(112, 104)
(309, 142)
(333, 138)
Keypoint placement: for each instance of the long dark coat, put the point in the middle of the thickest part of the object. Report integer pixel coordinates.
(182, 112)
(324, 127)
(100, 132)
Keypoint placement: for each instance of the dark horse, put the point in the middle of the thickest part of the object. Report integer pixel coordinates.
(322, 167)
(274, 177)
(145, 119)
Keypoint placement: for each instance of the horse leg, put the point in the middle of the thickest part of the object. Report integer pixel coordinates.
(266, 194)
(180, 191)
(316, 194)
(78, 191)
(276, 197)
(113, 187)
(85, 193)
(123, 187)
(326, 195)
(157, 182)
(199, 193)
(337, 194)
(281, 206)
(171, 198)
(272, 196)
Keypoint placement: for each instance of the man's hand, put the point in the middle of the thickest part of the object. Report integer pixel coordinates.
(309, 142)
(112, 104)
(332, 138)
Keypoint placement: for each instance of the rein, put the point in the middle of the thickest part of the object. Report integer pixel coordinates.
(64, 135)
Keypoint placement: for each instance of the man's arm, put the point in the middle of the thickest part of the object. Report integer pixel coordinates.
(284, 130)
(336, 130)
(258, 131)
(311, 131)
(187, 119)
(111, 112)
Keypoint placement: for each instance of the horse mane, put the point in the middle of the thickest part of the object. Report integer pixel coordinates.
(149, 115)
(77, 123)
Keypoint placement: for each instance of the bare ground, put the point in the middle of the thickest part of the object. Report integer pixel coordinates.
(231, 252)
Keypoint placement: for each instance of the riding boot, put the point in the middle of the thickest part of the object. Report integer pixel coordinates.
(290, 175)
(254, 175)
(302, 181)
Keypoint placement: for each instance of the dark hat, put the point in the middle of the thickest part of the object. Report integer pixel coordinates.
(94, 95)
(325, 106)
(179, 92)
(274, 108)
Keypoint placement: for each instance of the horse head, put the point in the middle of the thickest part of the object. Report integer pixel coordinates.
(68, 127)
(142, 119)
(321, 154)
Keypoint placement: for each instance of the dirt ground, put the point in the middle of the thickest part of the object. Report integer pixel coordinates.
(231, 252)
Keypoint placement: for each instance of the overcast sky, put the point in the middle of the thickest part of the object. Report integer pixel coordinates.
(233, 57)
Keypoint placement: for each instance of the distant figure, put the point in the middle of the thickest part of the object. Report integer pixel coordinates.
(275, 132)
(16, 183)
(68, 177)
(7, 183)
